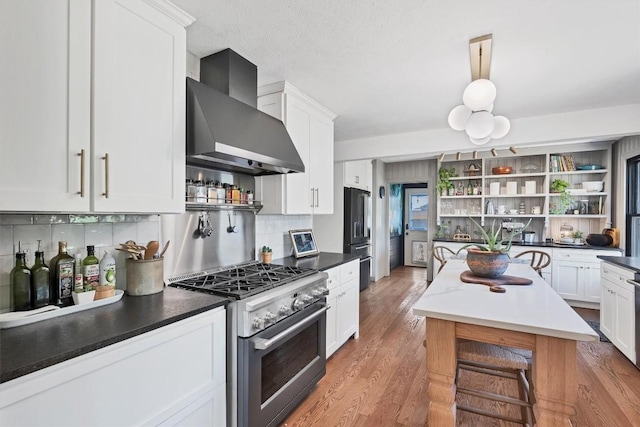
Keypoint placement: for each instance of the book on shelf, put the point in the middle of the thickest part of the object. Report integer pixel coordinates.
(561, 163)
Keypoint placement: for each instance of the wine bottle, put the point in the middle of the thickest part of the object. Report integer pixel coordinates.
(91, 269)
(62, 269)
(40, 279)
(20, 280)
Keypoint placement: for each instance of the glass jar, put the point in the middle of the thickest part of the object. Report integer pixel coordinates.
(220, 193)
(201, 192)
(566, 233)
(190, 190)
(227, 193)
(249, 197)
(235, 195)
(212, 194)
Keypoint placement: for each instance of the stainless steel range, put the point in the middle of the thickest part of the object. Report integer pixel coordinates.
(276, 336)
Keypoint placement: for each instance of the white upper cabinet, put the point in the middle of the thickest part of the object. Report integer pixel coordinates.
(358, 174)
(96, 121)
(311, 128)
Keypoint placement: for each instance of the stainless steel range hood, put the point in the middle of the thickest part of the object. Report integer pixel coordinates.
(225, 131)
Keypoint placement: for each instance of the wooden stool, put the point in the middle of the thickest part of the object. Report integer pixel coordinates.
(499, 361)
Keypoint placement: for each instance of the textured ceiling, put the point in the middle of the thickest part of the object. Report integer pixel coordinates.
(388, 67)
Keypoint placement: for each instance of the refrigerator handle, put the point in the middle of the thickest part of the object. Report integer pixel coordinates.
(365, 229)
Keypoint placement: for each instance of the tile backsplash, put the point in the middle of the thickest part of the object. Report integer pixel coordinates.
(105, 232)
(273, 231)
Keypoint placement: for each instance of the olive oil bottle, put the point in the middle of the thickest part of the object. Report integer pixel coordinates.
(62, 272)
(20, 284)
(40, 280)
(91, 269)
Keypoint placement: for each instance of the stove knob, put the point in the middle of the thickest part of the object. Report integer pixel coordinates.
(323, 290)
(258, 323)
(269, 318)
(285, 310)
(306, 299)
(297, 304)
(316, 293)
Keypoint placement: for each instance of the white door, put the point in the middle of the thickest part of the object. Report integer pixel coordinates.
(416, 214)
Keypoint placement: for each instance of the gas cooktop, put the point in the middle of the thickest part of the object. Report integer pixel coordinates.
(242, 281)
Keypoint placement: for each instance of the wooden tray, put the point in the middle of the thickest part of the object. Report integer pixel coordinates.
(19, 318)
(495, 285)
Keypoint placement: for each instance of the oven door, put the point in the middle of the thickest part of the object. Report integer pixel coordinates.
(279, 366)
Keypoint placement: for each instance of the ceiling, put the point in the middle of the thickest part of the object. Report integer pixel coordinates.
(387, 67)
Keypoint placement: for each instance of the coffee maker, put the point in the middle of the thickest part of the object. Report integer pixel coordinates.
(509, 227)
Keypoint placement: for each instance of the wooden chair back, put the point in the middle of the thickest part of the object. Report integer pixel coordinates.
(439, 253)
(539, 259)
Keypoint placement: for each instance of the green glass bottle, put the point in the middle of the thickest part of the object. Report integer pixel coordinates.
(20, 285)
(62, 272)
(91, 270)
(40, 279)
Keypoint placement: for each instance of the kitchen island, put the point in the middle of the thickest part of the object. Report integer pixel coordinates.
(530, 317)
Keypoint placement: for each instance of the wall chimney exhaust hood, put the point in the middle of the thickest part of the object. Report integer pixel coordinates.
(225, 131)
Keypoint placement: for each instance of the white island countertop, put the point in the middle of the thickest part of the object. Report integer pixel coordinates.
(535, 309)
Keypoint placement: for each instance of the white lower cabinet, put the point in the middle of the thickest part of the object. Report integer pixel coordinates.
(140, 381)
(343, 299)
(617, 309)
(576, 275)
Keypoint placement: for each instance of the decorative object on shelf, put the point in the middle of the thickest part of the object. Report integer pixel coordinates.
(267, 254)
(589, 167)
(566, 233)
(444, 184)
(473, 169)
(565, 201)
(501, 170)
(593, 186)
(475, 115)
(490, 259)
(531, 168)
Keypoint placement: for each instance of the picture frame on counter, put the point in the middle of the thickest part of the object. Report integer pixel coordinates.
(304, 243)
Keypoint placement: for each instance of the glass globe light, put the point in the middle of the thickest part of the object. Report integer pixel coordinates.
(479, 141)
(458, 117)
(480, 125)
(479, 95)
(501, 128)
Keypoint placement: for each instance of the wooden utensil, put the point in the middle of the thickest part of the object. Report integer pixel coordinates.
(152, 248)
(134, 253)
(495, 285)
(164, 249)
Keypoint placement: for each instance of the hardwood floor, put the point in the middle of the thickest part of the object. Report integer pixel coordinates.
(380, 379)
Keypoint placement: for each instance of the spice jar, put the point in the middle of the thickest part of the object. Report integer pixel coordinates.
(212, 194)
(227, 193)
(220, 192)
(190, 190)
(201, 192)
(235, 195)
(249, 197)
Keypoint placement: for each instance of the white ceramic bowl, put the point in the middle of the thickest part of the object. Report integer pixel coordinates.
(593, 185)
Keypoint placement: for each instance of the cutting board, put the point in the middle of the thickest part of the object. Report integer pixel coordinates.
(495, 285)
(615, 236)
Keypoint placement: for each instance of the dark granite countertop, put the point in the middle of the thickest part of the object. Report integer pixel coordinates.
(322, 261)
(540, 245)
(28, 348)
(630, 263)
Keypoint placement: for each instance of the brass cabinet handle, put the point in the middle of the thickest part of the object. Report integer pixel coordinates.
(106, 175)
(81, 155)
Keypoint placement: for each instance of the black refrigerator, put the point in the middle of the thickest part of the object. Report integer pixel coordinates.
(357, 229)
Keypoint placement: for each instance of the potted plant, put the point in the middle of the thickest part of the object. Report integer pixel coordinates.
(267, 254)
(445, 186)
(491, 258)
(578, 237)
(565, 201)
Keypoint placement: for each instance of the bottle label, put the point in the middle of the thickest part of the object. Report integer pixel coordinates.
(78, 282)
(91, 276)
(65, 275)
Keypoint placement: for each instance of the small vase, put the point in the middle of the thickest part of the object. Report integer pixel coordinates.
(487, 264)
(267, 257)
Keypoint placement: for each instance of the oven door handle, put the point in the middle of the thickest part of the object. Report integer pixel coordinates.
(263, 344)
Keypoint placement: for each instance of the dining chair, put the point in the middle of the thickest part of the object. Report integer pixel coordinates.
(439, 253)
(539, 259)
(501, 361)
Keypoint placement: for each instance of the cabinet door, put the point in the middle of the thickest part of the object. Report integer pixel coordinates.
(45, 113)
(566, 279)
(607, 309)
(299, 196)
(590, 279)
(349, 310)
(332, 322)
(321, 164)
(624, 322)
(138, 109)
